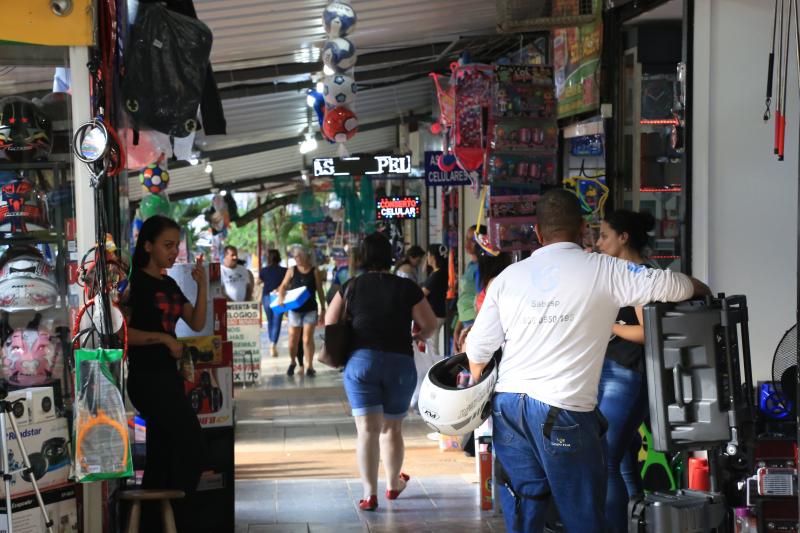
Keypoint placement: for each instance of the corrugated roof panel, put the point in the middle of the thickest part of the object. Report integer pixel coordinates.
(278, 116)
(280, 31)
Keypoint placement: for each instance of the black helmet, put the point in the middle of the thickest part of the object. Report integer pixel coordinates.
(26, 133)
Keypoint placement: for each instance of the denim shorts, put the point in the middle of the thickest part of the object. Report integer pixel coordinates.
(380, 382)
(300, 319)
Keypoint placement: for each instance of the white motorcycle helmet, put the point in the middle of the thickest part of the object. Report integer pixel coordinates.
(27, 281)
(450, 410)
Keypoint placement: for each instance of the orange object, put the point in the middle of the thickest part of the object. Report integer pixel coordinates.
(452, 281)
(485, 459)
(698, 474)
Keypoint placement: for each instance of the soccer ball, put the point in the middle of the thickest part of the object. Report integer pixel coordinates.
(339, 54)
(340, 124)
(340, 89)
(339, 19)
(154, 179)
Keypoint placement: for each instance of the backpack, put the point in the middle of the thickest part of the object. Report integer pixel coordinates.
(165, 71)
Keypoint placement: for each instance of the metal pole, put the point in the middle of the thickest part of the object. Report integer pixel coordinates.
(260, 256)
(797, 301)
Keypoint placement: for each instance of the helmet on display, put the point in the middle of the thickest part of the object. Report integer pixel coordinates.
(339, 19)
(339, 89)
(22, 207)
(340, 124)
(26, 133)
(154, 179)
(450, 410)
(27, 281)
(339, 54)
(29, 357)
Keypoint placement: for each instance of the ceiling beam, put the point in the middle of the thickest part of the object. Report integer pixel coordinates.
(269, 205)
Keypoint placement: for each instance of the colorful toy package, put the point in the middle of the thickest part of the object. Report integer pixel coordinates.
(511, 234)
(522, 171)
(472, 114)
(525, 135)
(512, 206)
(524, 91)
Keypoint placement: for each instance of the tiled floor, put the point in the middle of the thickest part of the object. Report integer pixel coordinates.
(296, 468)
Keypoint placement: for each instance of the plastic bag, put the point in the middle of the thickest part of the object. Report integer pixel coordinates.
(102, 444)
(166, 69)
(423, 361)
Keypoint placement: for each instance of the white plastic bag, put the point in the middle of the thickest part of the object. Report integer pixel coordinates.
(423, 361)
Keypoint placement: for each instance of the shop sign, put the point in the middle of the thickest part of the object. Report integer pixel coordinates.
(436, 177)
(576, 53)
(398, 207)
(371, 165)
(244, 331)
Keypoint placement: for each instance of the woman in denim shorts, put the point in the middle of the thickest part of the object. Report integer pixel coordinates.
(380, 375)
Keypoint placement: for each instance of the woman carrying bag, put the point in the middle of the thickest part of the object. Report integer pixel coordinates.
(380, 375)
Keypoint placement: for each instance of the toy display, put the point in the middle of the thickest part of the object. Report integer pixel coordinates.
(339, 19)
(524, 92)
(339, 54)
(473, 98)
(513, 234)
(522, 171)
(340, 124)
(513, 206)
(339, 89)
(586, 146)
(525, 135)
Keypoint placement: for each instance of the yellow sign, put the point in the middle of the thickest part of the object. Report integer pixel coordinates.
(36, 22)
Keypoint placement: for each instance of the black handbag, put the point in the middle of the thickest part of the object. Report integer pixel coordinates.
(335, 350)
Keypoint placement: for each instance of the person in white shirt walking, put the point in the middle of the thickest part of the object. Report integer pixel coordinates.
(237, 281)
(553, 314)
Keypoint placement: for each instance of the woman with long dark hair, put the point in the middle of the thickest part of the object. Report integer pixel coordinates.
(435, 290)
(623, 388)
(409, 264)
(272, 276)
(380, 375)
(156, 388)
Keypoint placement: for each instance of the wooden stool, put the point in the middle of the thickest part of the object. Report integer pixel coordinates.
(164, 496)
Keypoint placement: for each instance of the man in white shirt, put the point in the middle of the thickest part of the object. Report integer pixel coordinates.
(553, 314)
(237, 281)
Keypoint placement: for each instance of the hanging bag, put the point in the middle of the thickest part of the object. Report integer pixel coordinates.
(165, 71)
(335, 350)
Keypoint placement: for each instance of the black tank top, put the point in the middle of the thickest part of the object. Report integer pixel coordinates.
(309, 281)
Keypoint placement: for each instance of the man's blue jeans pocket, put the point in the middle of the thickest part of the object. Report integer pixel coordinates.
(564, 440)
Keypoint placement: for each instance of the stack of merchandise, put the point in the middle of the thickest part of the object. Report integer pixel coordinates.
(524, 148)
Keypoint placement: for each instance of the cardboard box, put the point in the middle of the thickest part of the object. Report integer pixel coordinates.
(41, 406)
(46, 443)
(27, 516)
(211, 394)
(206, 349)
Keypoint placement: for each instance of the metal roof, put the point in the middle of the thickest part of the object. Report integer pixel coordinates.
(269, 32)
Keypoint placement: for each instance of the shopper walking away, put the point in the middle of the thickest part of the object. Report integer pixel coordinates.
(237, 281)
(553, 314)
(380, 375)
(271, 277)
(304, 320)
(408, 267)
(622, 395)
(435, 290)
(467, 288)
(175, 447)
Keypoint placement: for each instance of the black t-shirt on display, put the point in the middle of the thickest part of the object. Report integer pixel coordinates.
(380, 307)
(437, 284)
(628, 354)
(156, 305)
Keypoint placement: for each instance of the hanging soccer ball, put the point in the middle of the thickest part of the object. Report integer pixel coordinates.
(339, 19)
(339, 54)
(339, 89)
(340, 124)
(154, 179)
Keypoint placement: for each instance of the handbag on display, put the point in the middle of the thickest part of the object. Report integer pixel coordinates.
(335, 350)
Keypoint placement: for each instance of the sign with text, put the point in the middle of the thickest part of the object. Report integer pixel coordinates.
(244, 330)
(371, 165)
(398, 207)
(436, 177)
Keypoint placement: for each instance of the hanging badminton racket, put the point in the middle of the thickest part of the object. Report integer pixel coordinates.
(770, 68)
(779, 104)
(782, 134)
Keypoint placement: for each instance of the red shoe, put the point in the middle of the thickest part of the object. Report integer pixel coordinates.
(368, 505)
(393, 494)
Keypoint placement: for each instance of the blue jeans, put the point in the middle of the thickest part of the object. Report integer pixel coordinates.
(380, 382)
(570, 465)
(273, 322)
(622, 399)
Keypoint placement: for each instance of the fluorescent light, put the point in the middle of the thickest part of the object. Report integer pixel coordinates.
(328, 71)
(309, 144)
(209, 169)
(320, 87)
